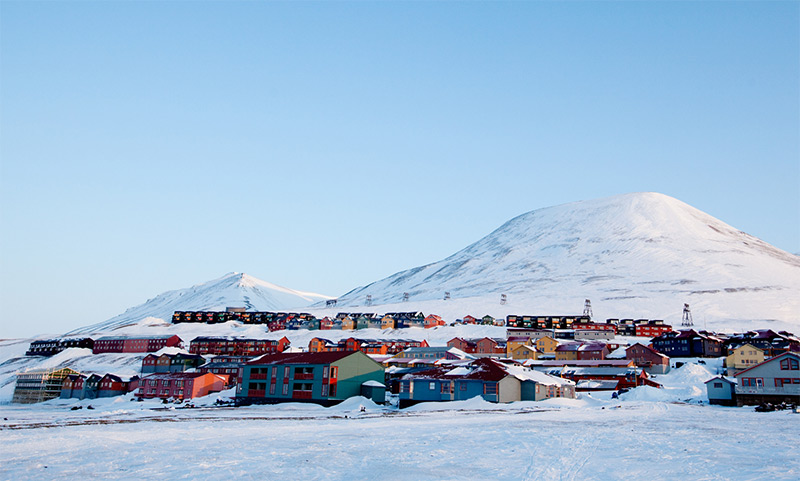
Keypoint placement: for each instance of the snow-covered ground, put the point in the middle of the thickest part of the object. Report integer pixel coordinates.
(588, 438)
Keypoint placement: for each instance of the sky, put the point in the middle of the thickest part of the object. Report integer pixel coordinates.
(150, 146)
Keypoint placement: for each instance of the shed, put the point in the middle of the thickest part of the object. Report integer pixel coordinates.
(721, 390)
(374, 390)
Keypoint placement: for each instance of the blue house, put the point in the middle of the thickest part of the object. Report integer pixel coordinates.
(484, 377)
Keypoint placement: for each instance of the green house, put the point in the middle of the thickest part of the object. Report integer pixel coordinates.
(325, 378)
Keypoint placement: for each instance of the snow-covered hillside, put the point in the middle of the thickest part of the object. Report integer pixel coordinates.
(638, 255)
(232, 290)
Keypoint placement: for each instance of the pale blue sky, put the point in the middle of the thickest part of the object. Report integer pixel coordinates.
(149, 146)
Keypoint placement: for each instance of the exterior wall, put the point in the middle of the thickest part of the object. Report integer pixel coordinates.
(353, 371)
(523, 352)
(591, 334)
(546, 344)
(509, 390)
(721, 392)
(743, 357)
(768, 381)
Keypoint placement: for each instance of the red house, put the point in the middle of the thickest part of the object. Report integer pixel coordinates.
(234, 346)
(179, 385)
(135, 344)
(648, 358)
(432, 321)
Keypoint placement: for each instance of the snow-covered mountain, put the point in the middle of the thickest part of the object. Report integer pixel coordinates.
(231, 290)
(634, 255)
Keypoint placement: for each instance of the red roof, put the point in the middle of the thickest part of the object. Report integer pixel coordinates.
(302, 358)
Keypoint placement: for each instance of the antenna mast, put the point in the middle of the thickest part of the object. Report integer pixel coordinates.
(686, 321)
(587, 308)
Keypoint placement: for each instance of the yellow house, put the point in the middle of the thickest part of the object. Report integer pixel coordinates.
(546, 345)
(348, 323)
(743, 357)
(514, 342)
(523, 351)
(388, 322)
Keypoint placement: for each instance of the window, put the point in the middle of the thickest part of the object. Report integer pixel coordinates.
(490, 388)
(790, 364)
(718, 385)
(334, 372)
(272, 388)
(325, 372)
(332, 390)
(285, 390)
(432, 386)
(286, 371)
(325, 390)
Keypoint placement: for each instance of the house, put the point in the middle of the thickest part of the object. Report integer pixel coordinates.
(237, 346)
(775, 380)
(513, 342)
(487, 320)
(688, 343)
(466, 345)
(485, 346)
(170, 362)
(348, 323)
(546, 344)
(721, 390)
(648, 358)
(227, 367)
(575, 351)
(111, 385)
(432, 320)
(388, 322)
(547, 365)
(325, 378)
(470, 320)
(625, 377)
(523, 352)
(589, 333)
(50, 347)
(135, 344)
(72, 387)
(36, 386)
(179, 385)
(650, 328)
(484, 377)
(770, 342)
(743, 357)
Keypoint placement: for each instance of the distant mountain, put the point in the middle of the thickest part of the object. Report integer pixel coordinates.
(633, 255)
(232, 290)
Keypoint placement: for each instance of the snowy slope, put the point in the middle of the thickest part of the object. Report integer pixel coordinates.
(232, 290)
(633, 255)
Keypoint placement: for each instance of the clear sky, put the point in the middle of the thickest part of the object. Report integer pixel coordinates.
(149, 146)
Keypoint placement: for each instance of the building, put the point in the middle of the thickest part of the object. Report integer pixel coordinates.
(368, 346)
(581, 351)
(650, 328)
(135, 344)
(688, 343)
(523, 352)
(485, 346)
(179, 385)
(36, 386)
(770, 342)
(625, 377)
(648, 358)
(237, 346)
(743, 357)
(111, 385)
(171, 363)
(325, 378)
(775, 380)
(721, 390)
(484, 377)
(228, 367)
(50, 347)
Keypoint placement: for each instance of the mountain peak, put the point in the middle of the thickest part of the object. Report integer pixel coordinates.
(634, 255)
(234, 289)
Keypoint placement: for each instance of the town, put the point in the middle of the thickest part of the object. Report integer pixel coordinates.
(540, 357)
